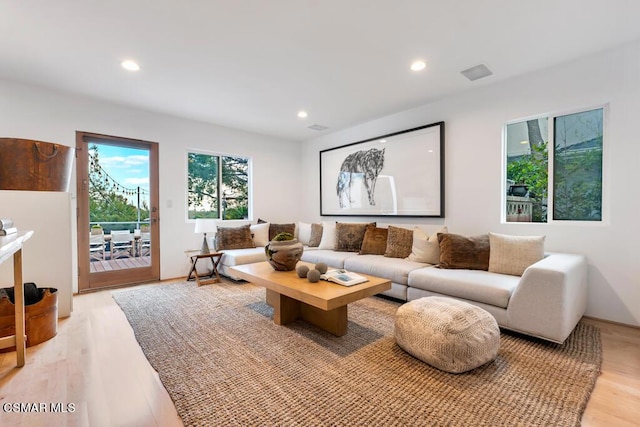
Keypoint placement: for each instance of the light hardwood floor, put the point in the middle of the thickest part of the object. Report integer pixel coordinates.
(96, 364)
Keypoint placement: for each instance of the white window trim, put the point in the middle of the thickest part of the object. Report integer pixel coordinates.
(605, 220)
(249, 184)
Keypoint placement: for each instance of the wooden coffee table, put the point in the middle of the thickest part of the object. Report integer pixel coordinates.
(323, 304)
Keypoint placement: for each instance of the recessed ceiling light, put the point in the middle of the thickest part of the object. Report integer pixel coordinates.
(383, 141)
(302, 114)
(130, 65)
(418, 65)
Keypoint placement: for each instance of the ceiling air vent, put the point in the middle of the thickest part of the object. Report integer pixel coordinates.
(318, 127)
(477, 72)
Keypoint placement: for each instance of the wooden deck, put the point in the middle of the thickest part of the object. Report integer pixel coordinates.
(120, 264)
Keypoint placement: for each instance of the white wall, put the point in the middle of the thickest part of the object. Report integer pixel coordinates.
(35, 113)
(473, 125)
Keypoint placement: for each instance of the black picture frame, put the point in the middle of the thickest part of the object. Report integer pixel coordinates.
(396, 175)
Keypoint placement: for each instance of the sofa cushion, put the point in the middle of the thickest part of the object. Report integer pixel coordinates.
(328, 240)
(233, 257)
(316, 235)
(513, 254)
(303, 232)
(330, 257)
(474, 285)
(425, 248)
(274, 229)
(375, 241)
(260, 234)
(395, 269)
(349, 236)
(399, 242)
(470, 253)
(234, 238)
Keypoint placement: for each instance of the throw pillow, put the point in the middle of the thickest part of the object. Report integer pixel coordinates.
(260, 233)
(425, 249)
(274, 229)
(513, 254)
(471, 253)
(234, 238)
(349, 236)
(328, 235)
(399, 242)
(316, 235)
(375, 241)
(304, 232)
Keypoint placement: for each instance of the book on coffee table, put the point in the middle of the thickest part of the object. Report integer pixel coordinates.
(343, 277)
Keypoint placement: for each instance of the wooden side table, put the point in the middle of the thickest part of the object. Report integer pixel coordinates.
(215, 258)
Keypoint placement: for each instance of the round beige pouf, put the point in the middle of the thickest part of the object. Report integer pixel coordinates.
(451, 335)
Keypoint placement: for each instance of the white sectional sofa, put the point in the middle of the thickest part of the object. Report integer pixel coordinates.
(546, 301)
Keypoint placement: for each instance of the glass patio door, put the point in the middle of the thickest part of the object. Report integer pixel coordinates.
(117, 183)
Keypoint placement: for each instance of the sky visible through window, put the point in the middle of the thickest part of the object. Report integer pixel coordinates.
(129, 167)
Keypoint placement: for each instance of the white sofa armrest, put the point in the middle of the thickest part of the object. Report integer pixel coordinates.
(551, 297)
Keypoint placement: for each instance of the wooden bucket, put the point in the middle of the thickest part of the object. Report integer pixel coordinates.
(40, 319)
(34, 165)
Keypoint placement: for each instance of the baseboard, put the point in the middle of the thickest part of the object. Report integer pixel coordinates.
(611, 322)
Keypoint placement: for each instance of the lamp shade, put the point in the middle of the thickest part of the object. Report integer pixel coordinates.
(206, 225)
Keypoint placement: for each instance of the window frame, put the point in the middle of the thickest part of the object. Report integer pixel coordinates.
(219, 155)
(551, 146)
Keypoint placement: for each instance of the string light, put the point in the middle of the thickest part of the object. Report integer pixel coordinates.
(109, 182)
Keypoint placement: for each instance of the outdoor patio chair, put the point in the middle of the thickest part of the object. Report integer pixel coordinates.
(97, 244)
(144, 248)
(121, 244)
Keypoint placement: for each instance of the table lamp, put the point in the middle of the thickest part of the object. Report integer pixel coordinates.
(205, 225)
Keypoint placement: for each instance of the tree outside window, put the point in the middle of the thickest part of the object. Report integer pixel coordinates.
(218, 186)
(577, 168)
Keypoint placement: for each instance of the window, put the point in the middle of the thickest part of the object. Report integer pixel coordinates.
(217, 186)
(568, 188)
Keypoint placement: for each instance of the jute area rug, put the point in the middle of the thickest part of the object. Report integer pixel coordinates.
(224, 362)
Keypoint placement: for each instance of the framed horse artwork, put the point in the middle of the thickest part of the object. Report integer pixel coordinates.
(400, 174)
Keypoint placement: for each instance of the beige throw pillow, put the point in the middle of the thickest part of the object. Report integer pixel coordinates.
(513, 254)
(303, 231)
(426, 249)
(328, 240)
(260, 234)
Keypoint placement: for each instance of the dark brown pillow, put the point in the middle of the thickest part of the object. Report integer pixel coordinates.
(375, 241)
(471, 253)
(316, 235)
(399, 242)
(349, 236)
(234, 238)
(274, 229)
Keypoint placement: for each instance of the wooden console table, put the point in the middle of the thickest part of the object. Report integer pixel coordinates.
(11, 245)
